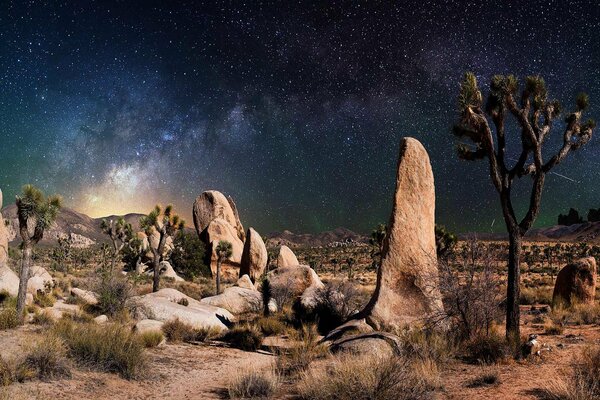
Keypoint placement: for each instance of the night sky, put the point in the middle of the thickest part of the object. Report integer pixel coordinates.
(296, 109)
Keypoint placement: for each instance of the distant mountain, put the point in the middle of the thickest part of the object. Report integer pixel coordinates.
(84, 230)
(336, 237)
(585, 232)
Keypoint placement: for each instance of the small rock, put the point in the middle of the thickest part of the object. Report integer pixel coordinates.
(101, 319)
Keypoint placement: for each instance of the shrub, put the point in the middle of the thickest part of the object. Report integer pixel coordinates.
(299, 357)
(151, 338)
(4, 295)
(486, 349)
(552, 328)
(178, 331)
(78, 316)
(247, 338)
(364, 378)
(43, 299)
(42, 318)
(486, 378)
(424, 345)
(188, 256)
(8, 318)
(113, 292)
(584, 381)
(538, 295)
(271, 325)
(107, 347)
(183, 301)
(47, 359)
(253, 385)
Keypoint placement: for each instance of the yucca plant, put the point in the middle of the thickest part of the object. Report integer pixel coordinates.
(166, 222)
(35, 213)
(223, 251)
(119, 232)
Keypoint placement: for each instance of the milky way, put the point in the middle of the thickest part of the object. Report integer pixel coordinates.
(295, 109)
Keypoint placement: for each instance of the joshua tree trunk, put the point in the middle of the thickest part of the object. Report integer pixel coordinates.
(156, 261)
(513, 291)
(218, 277)
(23, 279)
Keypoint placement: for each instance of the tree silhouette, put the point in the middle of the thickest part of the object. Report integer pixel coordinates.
(376, 241)
(535, 115)
(166, 223)
(36, 213)
(119, 232)
(223, 251)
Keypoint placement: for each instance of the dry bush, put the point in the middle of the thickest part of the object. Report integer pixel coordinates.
(584, 381)
(113, 292)
(253, 384)
(271, 325)
(350, 377)
(151, 338)
(487, 377)
(536, 295)
(576, 314)
(305, 350)
(107, 347)
(177, 331)
(8, 318)
(553, 328)
(245, 337)
(43, 299)
(486, 349)
(427, 345)
(47, 359)
(42, 318)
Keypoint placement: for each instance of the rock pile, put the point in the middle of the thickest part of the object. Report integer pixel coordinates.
(576, 283)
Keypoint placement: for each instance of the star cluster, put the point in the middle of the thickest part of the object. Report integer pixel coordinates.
(296, 109)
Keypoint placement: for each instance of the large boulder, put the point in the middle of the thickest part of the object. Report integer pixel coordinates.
(407, 290)
(238, 300)
(3, 237)
(254, 256)
(218, 229)
(576, 283)
(294, 281)
(9, 280)
(148, 325)
(167, 271)
(168, 304)
(213, 204)
(39, 280)
(85, 296)
(286, 258)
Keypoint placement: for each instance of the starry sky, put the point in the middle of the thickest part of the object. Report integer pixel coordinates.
(296, 109)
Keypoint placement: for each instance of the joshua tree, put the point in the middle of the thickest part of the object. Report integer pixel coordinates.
(350, 261)
(166, 223)
(36, 213)
(266, 296)
(376, 241)
(534, 114)
(444, 241)
(119, 233)
(223, 251)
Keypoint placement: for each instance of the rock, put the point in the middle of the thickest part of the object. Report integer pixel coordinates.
(407, 290)
(218, 229)
(576, 283)
(533, 346)
(238, 300)
(379, 343)
(101, 319)
(85, 296)
(163, 306)
(211, 205)
(40, 280)
(246, 283)
(3, 237)
(9, 280)
(148, 325)
(59, 308)
(167, 271)
(254, 256)
(294, 280)
(286, 258)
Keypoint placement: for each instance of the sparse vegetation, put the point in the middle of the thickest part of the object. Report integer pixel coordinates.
(253, 384)
(177, 331)
(486, 349)
(488, 377)
(47, 359)
(245, 337)
(151, 338)
(298, 357)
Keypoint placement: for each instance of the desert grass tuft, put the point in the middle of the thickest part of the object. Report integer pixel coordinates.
(47, 359)
(177, 331)
(151, 338)
(305, 350)
(245, 337)
(487, 377)
(253, 384)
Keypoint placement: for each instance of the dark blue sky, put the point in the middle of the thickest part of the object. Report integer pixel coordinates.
(296, 109)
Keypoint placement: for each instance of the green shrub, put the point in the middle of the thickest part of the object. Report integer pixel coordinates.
(486, 349)
(253, 385)
(8, 318)
(246, 337)
(47, 359)
(107, 347)
(188, 256)
(151, 338)
(113, 292)
(43, 299)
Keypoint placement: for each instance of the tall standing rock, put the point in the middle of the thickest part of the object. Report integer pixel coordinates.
(407, 288)
(254, 256)
(576, 283)
(213, 204)
(3, 237)
(286, 258)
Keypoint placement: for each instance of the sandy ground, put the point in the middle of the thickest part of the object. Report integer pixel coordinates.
(202, 372)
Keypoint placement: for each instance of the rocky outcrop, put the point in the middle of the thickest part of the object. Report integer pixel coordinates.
(254, 256)
(40, 280)
(576, 283)
(238, 300)
(85, 296)
(148, 325)
(407, 290)
(217, 230)
(167, 271)
(3, 237)
(294, 281)
(245, 282)
(286, 258)
(9, 280)
(213, 204)
(167, 304)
